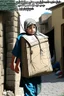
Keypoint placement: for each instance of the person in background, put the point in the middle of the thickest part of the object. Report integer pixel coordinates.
(31, 86)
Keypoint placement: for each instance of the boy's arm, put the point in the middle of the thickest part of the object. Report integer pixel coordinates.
(12, 62)
(17, 61)
(13, 58)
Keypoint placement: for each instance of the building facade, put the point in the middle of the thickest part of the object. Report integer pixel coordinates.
(58, 24)
(46, 28)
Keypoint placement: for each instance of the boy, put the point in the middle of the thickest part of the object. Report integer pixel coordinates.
(31, 85)
(30, 30)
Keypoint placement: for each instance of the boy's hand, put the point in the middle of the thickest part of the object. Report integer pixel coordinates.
(16, 69)
(12, 67)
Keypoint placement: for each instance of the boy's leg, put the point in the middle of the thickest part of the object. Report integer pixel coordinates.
(30, 90)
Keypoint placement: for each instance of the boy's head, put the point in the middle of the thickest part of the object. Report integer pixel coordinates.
(30, 26)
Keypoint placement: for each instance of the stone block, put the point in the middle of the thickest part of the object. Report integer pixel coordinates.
(1, 23)
(2, 64)
(14, 77)
(13, 13)
(1, 33)
(1, 41)
(1, 57)
(10, 84)
(10, 77)
(10, 72)
(12, 23)
(0, 91)
(0, 70)
(1, 50)
(11, 29)
(10, 46)
(8, 62)
(9, 54)
(2, 79)
(1, 26)
(11, 35)
(11, 18)
(2, 88)
(10, 40)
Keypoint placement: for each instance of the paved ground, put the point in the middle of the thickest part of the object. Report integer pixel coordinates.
(52, 85)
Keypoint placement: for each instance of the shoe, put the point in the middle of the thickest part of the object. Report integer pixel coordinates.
(60, 76)
(59, 72)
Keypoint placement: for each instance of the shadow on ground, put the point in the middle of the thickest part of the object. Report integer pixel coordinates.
(51, 78)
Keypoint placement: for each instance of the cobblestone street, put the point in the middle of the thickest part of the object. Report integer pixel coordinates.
(52, 85)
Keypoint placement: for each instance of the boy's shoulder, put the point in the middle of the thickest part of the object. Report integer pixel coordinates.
(20, 35)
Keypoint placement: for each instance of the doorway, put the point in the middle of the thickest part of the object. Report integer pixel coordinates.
(62, 47)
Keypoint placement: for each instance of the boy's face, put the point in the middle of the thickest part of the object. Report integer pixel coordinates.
(31, 29)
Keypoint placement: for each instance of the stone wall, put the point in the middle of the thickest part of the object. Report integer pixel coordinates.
(9, 30)
(12, 31)
(1, 58)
